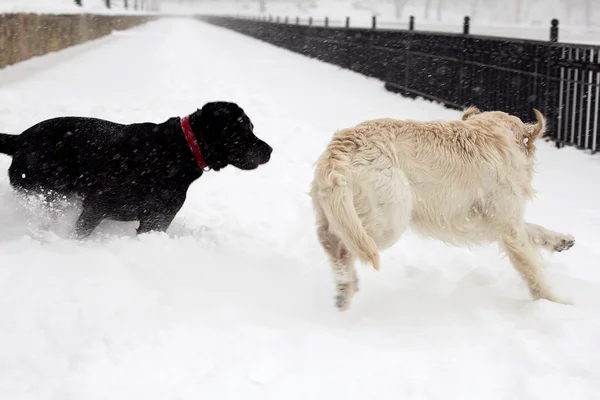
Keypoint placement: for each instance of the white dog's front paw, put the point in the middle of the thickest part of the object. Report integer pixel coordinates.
(564, 243)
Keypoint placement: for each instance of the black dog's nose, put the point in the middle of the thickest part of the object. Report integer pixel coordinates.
(268, 154)
(266, 151)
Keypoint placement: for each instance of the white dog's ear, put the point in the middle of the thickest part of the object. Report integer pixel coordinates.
(469, 112)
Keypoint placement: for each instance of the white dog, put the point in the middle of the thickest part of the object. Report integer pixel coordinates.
(462, 182)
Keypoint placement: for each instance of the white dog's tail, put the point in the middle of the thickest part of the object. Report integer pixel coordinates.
(538, 129)
(336, 200)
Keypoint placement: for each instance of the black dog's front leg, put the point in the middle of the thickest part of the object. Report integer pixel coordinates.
(158, 222)
(158, 216)
(89, 219)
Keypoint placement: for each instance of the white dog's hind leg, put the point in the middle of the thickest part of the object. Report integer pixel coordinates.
(346, 280)
(550, 240)
(524, 257)
(342, 263)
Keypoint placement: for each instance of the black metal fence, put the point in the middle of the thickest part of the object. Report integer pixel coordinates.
(561, 80)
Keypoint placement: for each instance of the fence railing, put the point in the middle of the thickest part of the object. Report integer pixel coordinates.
(560, 79)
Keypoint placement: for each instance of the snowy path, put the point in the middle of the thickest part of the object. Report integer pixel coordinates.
(236, 301)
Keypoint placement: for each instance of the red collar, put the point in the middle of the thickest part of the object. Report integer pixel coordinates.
(191, 139)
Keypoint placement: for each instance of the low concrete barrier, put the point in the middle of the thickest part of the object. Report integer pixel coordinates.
(24, 35)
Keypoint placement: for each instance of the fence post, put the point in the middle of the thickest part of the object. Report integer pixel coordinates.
(78, 2)
(347, 22)
(297, 20)
(374, 25)
(126, 4)
(411, 23)
(461, 74)
(554, 31)
(554, 103)
(286, 19)
(309, 21)
(107, 3)
(326, 22)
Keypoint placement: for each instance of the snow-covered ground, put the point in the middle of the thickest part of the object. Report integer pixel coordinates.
(236, 300)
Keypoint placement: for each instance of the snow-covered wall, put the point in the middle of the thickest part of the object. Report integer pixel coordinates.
(69, 6)
(25, 35)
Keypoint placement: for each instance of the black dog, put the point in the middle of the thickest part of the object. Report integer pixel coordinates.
(139, 172)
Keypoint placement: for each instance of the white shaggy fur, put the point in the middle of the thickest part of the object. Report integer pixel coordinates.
(463, 182)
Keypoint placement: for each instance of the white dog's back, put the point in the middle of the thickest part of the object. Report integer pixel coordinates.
(442, 178)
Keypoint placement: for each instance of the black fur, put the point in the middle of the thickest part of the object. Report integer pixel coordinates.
(138, 172)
